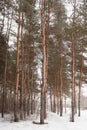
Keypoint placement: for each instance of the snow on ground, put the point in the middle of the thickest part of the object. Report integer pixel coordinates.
(54, 123)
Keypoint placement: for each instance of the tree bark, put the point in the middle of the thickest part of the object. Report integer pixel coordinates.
(73, 66)
(80, 85)
(73, 81)
(51, 104)
(17, 75)
(4, 86)
(43, 87)
(22, 73)
(61, 85)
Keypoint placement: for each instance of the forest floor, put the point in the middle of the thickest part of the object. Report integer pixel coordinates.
(55, 122)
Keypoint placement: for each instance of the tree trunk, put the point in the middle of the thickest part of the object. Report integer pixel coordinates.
(55, 93)
(73, 67)
(43, 87)
(17, 75)
(73, 80)
(22, 73)
(80, 84)
(61, 86)
(54, 101)
(65, 104)
(28, 106)
(42, 107)
(4, 86)
(51, 104)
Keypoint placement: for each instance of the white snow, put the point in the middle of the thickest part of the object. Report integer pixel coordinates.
(55, 122)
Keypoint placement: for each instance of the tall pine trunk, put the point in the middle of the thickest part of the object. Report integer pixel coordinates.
(73, 81)
(43, 87)
(73, 65)
(17, 75)
(22, 72)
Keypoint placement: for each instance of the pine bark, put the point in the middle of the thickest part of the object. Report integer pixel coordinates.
(80, 85)
(22, 72)
(17, 75)
(43, 87)
(73, 80)
(73, 66)
(4, 86)
(61, 88)
(51, 103)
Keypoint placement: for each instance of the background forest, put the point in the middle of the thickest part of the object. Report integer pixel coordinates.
(43, 57)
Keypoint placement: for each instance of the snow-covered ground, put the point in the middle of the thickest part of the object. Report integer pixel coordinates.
(54, 123)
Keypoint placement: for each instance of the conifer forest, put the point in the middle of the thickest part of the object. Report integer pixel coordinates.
(43, 59)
